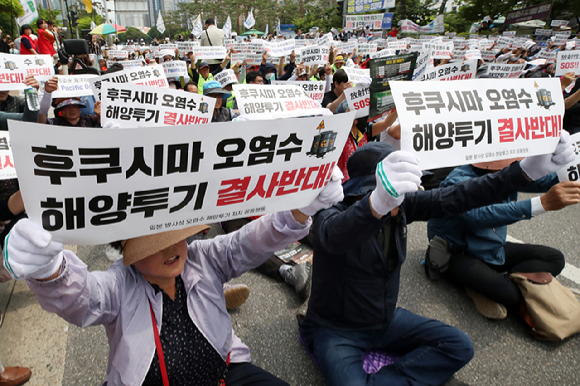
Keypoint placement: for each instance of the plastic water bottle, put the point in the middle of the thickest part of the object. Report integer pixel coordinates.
(32, 99)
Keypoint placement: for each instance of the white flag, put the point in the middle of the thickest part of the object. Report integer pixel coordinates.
(93, 25)
(266, 31)
(197, 28)
(215, 20)
(278, 29)
(250, 21)
(160, 24)
(227, 28)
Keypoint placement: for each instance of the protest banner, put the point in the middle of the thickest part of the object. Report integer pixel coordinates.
(440, 51)
(187, 47)
(241, 47)
(168, 46)
(421, 64)
(509, 33)
(383, 72)
(356, 74)
(384, 53)
(314, 55)
(257, 45)
(250, 58)
(473, 121)
(175, 69)
(397, 45)
(571, 172)
(209, 52)
(229, 43)
(17, 67)
(543, 32)
(436, 26)
(314, 89)
(452, 71)
(568, 61)
(117, 54)
(504, 70)
(347, 47)
(126, 63)
(366, 49)
(535, 12)
(147, 76)
(358, 6)
(559, 23)
(131, 105)
(459, 54)
(360, 21)
(473, 54)
(121, 184)
(325, 40)
(69, 86)
(274, 101)
(7, 170)
(225, 77)
(489, 55)
(387, 21)
(359, 100)
(550, 56)
(280, 48)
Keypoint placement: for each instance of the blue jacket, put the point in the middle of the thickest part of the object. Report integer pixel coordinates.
(355, 282)
(482, 232)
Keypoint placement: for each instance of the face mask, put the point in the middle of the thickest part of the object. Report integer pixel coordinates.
(270, 77)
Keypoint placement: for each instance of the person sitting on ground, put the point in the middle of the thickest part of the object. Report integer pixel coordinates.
(359, 247)
(68, 113)
(161, 282)
(481, 257)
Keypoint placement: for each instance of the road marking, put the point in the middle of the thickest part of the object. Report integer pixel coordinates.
(570, 272)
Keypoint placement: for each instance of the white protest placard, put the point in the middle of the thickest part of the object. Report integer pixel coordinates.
(229, 43)
(449, 124)
(472, 54)
(549, 56)
(147, 76)
(157, 179)
(131, 105)
(186, 47)
(559, 23)
(130, 48)
(315, 90)
(509, 33)
(70, 86)
(314, 55)
(282, 48)
(257, 45)
(175, 69)
(383, 53)
(421, 66)
(325, 40)
(356, 74)
(7, 170)
(225, 77)
(568, 61)
(571, 172)
(209, 52)
(441, 51)
(274, 101)
(366, 49)
(559, 41)
(397, 45)
(359, 100)
(504, 70)
(250, 58)
(543, 32)
(485, 44)
(241, 47)
(452, 71)
(489, 55)
(459, 54)
(168, 46)
(118, 54)
(347, 47)
(16, 68)
(126, 63)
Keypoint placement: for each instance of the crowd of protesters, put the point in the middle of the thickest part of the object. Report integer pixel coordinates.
(357, 230)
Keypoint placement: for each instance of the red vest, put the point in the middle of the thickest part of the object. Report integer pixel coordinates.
(24, 50)
(44, 45)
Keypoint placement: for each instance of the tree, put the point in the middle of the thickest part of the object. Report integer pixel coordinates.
(135, 35)
(85, 21)
(45, 14)
(418, 11)
(455, 23)
(324, 17)
(10, 9)
(154, 33)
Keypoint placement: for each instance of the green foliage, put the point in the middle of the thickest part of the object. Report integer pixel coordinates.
(475, 10)
(455, 23)
(85, 21)
(154, 33)
(315, 16)
(418, 11)
(9, 9)
(135, 35)
(45, 14)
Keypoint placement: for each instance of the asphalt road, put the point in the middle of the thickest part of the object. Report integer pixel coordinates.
(505, 354)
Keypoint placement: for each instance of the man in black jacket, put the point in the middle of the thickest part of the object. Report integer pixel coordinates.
(359, 247)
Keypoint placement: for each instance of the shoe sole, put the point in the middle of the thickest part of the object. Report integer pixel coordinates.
(235, 297)
(486, 307)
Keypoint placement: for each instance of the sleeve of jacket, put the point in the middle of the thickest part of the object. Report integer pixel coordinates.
(457, 199)
(342, 227)
(289, 72)
(497, 215)
(80, 297)
(237, 252)
(48, 36)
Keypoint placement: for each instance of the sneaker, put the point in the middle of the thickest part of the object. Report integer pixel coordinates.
(299, 277)
(236, 295)
(487, 307)
(455, 382)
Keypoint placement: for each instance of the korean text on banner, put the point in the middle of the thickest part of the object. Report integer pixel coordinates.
(314, 55)
(358, 6)
(383, 72)
(280, 48)
(70, 86)
(571, 172)
(568, 61)
(452, 71)
(315, 90)
(448, 124)
(505, 70)
(121, 184)
(175, 69)
(359, 100)
(126, 63)
(209, 52)
(274, 101)
(131, 105)
(356, 74)
(187, 47)
(148, 76)
(15, 68)
(118, 54)
(7, 170)
(534, 12)
(226, 77)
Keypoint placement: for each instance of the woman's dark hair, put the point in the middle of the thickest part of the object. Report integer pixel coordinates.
(24, 28)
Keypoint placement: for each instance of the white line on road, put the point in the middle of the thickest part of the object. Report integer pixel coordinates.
(570, 272)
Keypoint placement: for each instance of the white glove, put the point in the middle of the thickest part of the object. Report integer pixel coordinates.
(364, 82)
(330, 195)
(539, 166)
(241, 118)
(111, 125)
(396, 175)
(29, 252)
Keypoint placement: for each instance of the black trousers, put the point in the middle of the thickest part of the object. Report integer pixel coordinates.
(246, 374)
(493, 282)
(270, 267)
